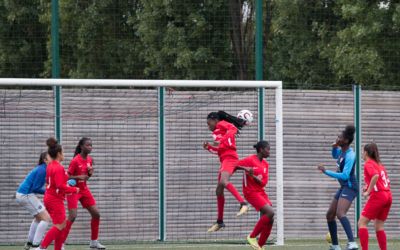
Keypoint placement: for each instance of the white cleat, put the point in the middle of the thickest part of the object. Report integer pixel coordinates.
(352, 246)
(96, 245)
(335, 247)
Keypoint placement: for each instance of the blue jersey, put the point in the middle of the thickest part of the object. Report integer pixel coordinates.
(345, 174)
(34, 181)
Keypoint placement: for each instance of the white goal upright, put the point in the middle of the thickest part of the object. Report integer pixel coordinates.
(179, 108)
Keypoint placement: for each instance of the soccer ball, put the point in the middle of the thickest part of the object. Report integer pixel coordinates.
(328, 238)
(245, 115)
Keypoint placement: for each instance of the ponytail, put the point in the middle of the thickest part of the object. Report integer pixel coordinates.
(42, 158)
(81, 142)
(223, 116)
(372, 151)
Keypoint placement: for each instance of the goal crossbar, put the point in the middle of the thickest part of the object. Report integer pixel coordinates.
(137, 83)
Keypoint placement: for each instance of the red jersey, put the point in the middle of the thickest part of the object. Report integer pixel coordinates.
(224, 133)
(260, 169)
(80, 166)
(372, 168)
(56, 181)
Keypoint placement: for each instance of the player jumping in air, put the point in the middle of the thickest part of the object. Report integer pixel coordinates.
(25, 197)
(56, 188)
(377, 188)
(81, 169)
(254, 181)
(348, 190)
(224, 128)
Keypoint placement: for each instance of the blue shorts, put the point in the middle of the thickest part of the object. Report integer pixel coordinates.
(346, 193)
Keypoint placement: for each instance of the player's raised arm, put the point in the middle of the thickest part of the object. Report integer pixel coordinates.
(348, 190)
(224, 127)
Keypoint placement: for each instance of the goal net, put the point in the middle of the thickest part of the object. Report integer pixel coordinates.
(152, 180)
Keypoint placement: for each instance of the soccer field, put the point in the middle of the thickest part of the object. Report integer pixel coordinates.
(293, 244)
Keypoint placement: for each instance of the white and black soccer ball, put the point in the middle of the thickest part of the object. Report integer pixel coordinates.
(246, 115)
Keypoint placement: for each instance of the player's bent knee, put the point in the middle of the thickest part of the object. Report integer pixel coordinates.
(72, 215)
(271, 215)
(330, 216)
(96, 215)
(340, 214)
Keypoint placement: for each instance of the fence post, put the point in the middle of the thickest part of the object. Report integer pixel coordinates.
(259, 67)
(161, 162)
(357, 124)
(55, 68)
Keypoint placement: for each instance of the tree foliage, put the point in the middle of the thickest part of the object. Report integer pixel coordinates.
(307, 44)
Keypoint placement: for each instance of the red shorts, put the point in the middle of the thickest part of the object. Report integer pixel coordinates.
(258, 200)
(56, 209)
(378, 206)
(84, 196)
(228, 165)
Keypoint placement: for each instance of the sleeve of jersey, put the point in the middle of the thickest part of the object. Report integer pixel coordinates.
(246, 162)
(72, 167)
(39, 180)
(336, 152)
(345, 174)
(61, 184)
(212, 149)
(231, 130)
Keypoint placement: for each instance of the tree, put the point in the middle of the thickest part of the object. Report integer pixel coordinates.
(186, 39)
(97, 41)
(367, 46)
(22, 39)
(294, 45)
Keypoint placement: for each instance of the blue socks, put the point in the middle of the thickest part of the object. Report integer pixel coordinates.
(347, 228)
(333, 231)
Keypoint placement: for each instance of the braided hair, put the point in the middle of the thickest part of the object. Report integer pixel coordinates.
(223, 116)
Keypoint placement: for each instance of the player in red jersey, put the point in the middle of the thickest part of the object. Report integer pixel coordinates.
(81, 169)
(56, 188)
(254, 182)
(224, 128)
(377, 188)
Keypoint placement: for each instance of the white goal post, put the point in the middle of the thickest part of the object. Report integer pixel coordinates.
(277, 85)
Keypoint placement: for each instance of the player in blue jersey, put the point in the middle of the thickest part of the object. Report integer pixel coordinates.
(25, 197)
(348, 191)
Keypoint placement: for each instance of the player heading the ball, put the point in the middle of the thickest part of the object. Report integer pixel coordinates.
(224, 129)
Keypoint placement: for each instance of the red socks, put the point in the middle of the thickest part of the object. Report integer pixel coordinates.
(363, 234)
(264, 235)
(234, 192)
(95, 228)
(51, 235)
(66, 230)
(261, 224)
(221, 204)
(381, 236)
